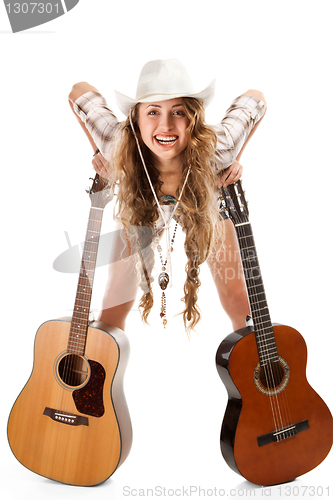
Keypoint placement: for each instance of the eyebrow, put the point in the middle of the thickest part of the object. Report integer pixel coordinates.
(157, 106)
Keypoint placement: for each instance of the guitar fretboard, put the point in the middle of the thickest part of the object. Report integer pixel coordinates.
(80, 318)
(259, 309)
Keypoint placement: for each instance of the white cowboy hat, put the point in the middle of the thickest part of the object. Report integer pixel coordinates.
(161, 80)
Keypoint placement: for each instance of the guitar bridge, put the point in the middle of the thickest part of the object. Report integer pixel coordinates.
(65, 418)
(281, 434)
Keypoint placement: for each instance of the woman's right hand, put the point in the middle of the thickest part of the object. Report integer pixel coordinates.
(101, 165)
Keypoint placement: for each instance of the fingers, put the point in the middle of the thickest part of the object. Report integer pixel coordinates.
(230, 175)
(100, 165)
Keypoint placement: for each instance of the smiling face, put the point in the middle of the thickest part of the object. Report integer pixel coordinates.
(163, 127)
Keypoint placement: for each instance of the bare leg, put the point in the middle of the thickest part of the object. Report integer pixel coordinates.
(227, 272)
(121, 287)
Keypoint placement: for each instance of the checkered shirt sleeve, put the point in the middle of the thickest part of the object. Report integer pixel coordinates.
(99, 119)
(243, 114)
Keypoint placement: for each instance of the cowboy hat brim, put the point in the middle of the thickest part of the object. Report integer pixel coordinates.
(125, 103)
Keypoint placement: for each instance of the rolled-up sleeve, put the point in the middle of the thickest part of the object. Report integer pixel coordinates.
(99, 119)
(233, 131)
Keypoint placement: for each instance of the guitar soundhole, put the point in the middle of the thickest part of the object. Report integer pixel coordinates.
(271, 375)
(73, 370)
(272, 378)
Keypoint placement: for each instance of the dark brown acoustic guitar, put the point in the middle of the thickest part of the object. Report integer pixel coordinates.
(71, 423)
(275, 426)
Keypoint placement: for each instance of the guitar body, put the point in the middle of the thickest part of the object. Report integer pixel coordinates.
(249, 411)
(73, 430)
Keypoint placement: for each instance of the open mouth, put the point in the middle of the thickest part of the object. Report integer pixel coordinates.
(167, 140)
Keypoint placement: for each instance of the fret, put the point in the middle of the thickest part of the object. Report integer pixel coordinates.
(82, 293)
(257, 302)
(77, 343)
(265, 336)
(95, 220)
(77, 336)
(259, 318)
(91, 263)
(272, 360)
(242, 224)
(91, 252)
(92, 231)
(257, 292)
(77, 305)
(266, 349)
(269, 358)
(91, 246)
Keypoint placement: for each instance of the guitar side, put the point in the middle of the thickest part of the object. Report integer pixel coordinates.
(76, 436)
(234, 405)
(272, 462)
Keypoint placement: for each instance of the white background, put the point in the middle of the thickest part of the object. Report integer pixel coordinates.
(174, 393)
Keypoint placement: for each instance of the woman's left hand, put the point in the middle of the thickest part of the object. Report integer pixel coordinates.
(230, 175)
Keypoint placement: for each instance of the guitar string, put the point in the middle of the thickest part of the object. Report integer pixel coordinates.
(281, 407)
(269, 370)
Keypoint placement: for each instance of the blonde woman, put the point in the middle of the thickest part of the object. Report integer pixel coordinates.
(167, 163)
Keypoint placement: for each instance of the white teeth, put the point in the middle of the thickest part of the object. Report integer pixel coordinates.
(166, 140)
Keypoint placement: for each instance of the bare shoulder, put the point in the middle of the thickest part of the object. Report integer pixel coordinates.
(79, 89)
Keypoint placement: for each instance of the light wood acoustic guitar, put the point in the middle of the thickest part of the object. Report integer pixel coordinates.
(275, 426)
(71, 423)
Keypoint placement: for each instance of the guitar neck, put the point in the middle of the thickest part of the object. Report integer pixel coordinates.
(266, 344)
(257, 297)
(80, 318)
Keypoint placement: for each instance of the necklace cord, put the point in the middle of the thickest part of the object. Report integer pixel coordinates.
(164, 277)
(166, 225)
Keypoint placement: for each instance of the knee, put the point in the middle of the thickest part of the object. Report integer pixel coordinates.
(116, 315)
(233, 294)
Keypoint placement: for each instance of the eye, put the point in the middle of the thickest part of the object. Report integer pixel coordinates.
(179, 113)
(153, 112)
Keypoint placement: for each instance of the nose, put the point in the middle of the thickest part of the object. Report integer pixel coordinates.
(166, 122)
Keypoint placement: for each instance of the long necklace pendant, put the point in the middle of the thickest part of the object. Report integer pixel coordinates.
(163, 280)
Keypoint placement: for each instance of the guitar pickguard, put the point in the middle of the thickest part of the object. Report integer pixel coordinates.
(89, 399)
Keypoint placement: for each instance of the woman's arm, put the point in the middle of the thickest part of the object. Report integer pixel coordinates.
(96, 120)
(77, 91)
(259, 95)
(237, 127)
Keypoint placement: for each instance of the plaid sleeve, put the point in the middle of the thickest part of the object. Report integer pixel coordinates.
(99, 119)
(244, 112)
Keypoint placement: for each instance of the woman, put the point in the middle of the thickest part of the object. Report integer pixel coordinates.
(167, 163)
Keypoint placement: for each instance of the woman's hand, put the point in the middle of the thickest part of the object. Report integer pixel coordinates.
(230, 175)
(101, 166)
(79, 89)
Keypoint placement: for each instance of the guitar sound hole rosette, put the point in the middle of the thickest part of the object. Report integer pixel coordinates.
(272, 378)
(72, 370)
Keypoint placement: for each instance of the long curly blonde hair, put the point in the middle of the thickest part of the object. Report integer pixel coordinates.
(197, 212)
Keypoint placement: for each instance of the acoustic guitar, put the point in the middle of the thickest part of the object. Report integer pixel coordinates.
(71, 423)
(275, 426)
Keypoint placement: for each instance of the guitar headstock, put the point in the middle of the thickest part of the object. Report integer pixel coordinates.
(234, 203)
(100, 192)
